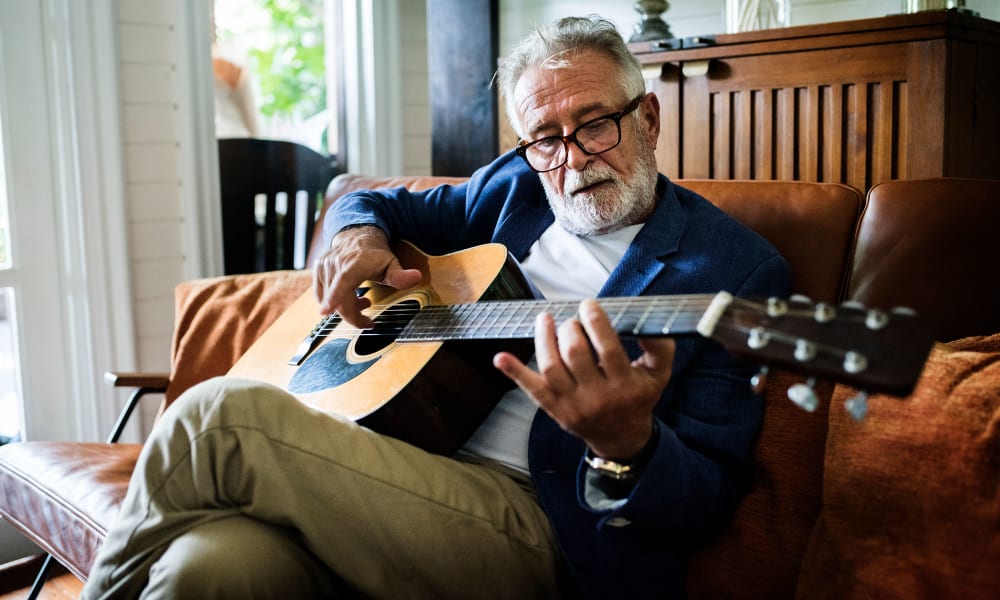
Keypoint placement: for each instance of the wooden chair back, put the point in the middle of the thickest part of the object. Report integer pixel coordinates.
(267, 224)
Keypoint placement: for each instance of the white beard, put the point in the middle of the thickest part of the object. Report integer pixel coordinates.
(609, 208)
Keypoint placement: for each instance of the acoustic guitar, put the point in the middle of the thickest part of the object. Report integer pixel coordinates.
(423, 373)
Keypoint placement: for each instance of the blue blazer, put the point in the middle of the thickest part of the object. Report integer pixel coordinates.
(708, 417)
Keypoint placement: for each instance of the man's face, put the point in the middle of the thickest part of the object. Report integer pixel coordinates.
(591, 194)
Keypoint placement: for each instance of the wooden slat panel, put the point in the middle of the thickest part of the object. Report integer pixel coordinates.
(668, 148)
(785, 134)
(809, 136)
(696, 130)
(883, 136)
(856, 141)
(722, 136)
(764, 144)
(961, 155)
(927, 135)
(903, 109)
(832, 143)
(743, 135)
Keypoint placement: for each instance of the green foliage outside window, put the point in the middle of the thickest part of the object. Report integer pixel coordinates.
(285, 56)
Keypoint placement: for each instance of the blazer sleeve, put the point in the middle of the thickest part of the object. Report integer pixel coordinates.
(445, 218)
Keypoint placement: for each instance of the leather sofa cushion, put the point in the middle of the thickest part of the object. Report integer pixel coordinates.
(811, 224)
(931, 245)
(911, 500)
(63, 496)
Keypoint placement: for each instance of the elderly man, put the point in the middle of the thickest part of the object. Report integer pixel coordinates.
(595, 476)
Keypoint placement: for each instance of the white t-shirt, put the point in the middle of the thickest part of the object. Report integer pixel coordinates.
(564, 267)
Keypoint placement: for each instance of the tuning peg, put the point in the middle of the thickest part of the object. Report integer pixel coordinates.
(758, 338)
(776, 307)
(805, 350)
(855, 362)
(905, 311)
(824, 313)
(857, 406)
(759, 380)
(804, 395)
(800, 298)
(876, 319)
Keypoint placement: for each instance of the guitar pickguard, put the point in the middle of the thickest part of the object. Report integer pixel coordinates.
(326, 368)
(341, 359)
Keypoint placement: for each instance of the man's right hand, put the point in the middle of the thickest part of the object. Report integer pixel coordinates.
(356, 255)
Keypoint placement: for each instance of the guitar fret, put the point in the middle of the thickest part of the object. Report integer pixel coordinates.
(521, 329)
(423, 325)
(673, 317)
(641, 321)
(460, 314)
(559, 311)
(507, 328)
(624, 319)
(493, 315)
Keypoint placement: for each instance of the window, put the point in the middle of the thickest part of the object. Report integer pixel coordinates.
(271, 61)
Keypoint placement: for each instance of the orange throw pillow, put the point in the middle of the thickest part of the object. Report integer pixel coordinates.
(911, 500)
(218, 319)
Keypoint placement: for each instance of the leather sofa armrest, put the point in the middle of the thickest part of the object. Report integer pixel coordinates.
(144, 383)
(137, 379)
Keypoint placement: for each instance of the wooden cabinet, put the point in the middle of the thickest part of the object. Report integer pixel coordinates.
(857, 102)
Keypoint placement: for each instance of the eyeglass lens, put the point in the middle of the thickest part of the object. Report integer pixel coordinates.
(600, 135)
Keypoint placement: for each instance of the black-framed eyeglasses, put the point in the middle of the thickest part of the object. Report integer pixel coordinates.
(593, 137)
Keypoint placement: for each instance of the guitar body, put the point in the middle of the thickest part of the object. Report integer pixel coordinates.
(431, 394)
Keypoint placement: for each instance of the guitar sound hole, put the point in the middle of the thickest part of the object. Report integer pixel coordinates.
(387, 327)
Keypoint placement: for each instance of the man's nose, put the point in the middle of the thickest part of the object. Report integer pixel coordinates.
(576, 158)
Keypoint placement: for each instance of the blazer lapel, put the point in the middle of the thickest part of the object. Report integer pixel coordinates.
(646, 257)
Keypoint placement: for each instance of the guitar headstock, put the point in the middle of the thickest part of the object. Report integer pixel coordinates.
(872, 349)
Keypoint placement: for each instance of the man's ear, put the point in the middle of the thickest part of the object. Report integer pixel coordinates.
(650, 108)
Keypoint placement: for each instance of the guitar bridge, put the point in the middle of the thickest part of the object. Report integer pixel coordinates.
(312, 340)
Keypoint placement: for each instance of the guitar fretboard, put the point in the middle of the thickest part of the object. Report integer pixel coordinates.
(515, 319)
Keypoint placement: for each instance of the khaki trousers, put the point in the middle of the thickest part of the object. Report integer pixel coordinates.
(244, 492)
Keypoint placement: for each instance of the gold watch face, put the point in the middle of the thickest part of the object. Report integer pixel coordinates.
(609, 468)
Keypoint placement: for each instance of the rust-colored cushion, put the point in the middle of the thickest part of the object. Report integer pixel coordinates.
(759, 553)
(217, 319)
(911, 502)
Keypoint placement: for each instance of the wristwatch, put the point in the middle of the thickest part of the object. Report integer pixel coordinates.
(620, 471)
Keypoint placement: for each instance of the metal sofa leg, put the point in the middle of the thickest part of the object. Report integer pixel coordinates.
(41, 578)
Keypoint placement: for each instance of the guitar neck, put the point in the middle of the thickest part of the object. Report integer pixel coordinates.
(515, 319)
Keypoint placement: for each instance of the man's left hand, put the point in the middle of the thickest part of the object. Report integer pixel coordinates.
(587, 384)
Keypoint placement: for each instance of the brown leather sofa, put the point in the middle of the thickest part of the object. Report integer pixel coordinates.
(904, 503)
